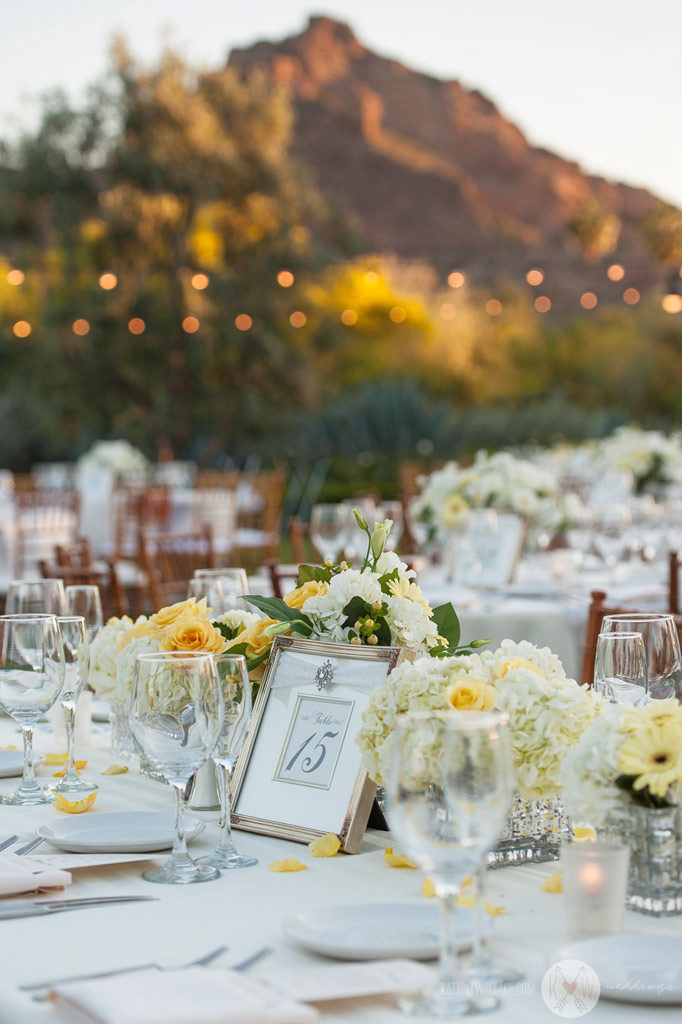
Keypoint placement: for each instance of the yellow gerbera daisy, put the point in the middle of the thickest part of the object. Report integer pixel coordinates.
(405, 588)
(654, 755)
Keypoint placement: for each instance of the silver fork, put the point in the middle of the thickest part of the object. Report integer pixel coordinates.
(8, 842)
(29, 846)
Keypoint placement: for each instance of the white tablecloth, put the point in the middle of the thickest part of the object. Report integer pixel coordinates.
(245, 910)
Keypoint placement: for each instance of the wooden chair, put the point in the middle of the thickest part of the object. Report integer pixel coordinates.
(282, 577)
(674, 582)
(259, 505)
(111, 592)
(43, 519)
(170, 559)
(597, 610)
(76, 555)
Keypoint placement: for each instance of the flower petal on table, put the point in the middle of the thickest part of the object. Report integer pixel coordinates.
(288, 864)
(397, 860)
(325, 846)
(10, 746)
(428, 888)
(492, 910)
(60, 774)
(60, 803)
(54, 758)
(554, 883)
(115, 769)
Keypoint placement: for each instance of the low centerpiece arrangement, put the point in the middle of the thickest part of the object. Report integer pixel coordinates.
(653, 458)
(548, 713)
(624, 778)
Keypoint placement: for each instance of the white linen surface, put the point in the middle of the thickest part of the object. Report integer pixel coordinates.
(21, 874)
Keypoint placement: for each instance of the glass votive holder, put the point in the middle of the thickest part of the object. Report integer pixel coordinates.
(595, 882)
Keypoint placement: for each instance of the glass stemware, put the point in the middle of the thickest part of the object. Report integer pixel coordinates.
(209, 587)
(235, 585)
(449, 788)
(620, 668)
(76, 647)
(84, 599)
(33, 597)
(329, 529)
(236, 688)
(661, 647)
(31, 679)
(483, 969)
(176, 715)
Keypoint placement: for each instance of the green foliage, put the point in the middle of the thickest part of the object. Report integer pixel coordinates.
(662, 231)
(595, 228)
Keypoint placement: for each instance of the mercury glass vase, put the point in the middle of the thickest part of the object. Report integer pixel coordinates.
(121, 737)
(535, 831)
(654, 836)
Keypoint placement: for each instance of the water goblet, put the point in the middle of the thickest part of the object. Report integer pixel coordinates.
(235, 585)
(176, 715)
(33, 597)
(483, 969)
(31, 679)
(76, 647)
(661, 648)
(620, 668)
(84, 599)
(329, 528)
(449, 788)
(236, 689)
(208, 587)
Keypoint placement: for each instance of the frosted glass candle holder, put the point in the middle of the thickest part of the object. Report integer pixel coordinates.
(595, 877)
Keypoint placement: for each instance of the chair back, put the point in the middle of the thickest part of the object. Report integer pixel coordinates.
(111, 592)
(170, 560)
(76, 555)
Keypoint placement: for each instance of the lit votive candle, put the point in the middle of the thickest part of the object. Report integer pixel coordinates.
(595, 877)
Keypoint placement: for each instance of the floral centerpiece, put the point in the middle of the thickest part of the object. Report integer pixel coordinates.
(499, 481)
(654, 459)
(548, 713)
(624, 777)
(378, 604)
(119, 457)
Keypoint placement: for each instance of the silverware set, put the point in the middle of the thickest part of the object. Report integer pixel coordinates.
(22, 849)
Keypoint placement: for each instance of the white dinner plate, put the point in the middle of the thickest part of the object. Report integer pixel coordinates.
(117, 832)
(376, 931)
(634, 968)
(12, 763)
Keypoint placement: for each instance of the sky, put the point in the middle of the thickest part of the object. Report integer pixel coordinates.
(597, 81)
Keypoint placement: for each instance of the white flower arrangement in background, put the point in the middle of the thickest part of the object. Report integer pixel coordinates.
(120, 457)
(650, 455)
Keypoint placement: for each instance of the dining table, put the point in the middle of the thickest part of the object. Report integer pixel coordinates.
(246, 910)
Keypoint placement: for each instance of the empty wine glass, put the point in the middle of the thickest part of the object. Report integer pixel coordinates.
(620, 668)
(32, 597)
(329, 528)
(611, 533)
(84, 599)
(176, 715)
(661, 648)
(235, 584)
(76, 647)
(483, 969)
(208, 587)
(31, 679)
(236, 689)
(448, 790)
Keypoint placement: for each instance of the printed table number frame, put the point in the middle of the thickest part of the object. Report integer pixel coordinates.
(309, 688)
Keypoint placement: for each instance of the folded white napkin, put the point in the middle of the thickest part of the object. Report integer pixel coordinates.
(197, 995)
(21, 874)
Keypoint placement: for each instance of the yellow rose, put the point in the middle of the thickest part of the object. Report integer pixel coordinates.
(190, 633)
(168, 616)
(134, 633)
(313, 588)
(256, 642)
(472, 695)
(502, 667)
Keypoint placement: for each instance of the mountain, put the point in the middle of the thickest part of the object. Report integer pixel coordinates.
(429, 170)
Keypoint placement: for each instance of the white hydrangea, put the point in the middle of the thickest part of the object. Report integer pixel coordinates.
(649, 455)
(590, 770)
(104, 655)
(126, 662)
(118, 456)
(238, 618)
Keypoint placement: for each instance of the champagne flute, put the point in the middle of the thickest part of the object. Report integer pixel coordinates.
(33, 597)
(236, 688)
(74, 636)
(31, 679)
(661, 647)
(235, 584)
(449, 788)
(209, 587)
(620, 668)
(176, 715)
(84, 599)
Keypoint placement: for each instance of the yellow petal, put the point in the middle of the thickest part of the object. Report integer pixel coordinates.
(60, 803)
(492, 910)
(467, 881)
(397, 860)
(554, 883)
(584, 835)
(428, 888)
(11, 746)
(289, 864)
(466, 901)
(115, 769)
(60, 774)
(54, 759)
(325, 846)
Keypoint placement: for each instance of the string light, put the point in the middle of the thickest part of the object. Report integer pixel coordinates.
(243, 322)
(543, 304)
(631, 296)
(15, 277)
(615, 272)
(80, 327)
(672, 303)
(107, 281)
(190, 325)
(199, 281)
(535, 277)
(448, 311)
(493, 307)
(298, 319)
(397, 314)
(349, 317)
(22, 329)
(588, 300)
(285, 279)
(136, 325)
(456, 279)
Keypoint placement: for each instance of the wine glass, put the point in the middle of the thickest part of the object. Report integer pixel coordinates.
(483, 969)
(620, 668)
(236, 689)
(73, 632)
(31, 679)
(661, 648)
(235, 584)
(84, 599)
(209, 587)
(449, 788)
(329, 528)
(611, 533)
(31, 597)
(176, 714)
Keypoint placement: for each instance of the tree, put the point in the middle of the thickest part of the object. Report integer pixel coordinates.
(662, 231)
(595, 228)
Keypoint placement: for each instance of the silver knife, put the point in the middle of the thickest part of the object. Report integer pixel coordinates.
(32, 908)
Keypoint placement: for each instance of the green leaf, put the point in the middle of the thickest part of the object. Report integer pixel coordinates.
(387, 578)
(252, 663)
(447, 622)
(238, 649)
(229, 632)
(318, 573)
(383, 633)
(357, 608)
(276, 608)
